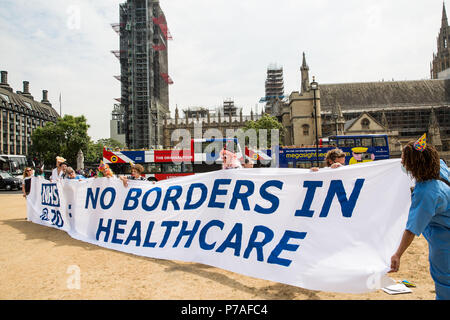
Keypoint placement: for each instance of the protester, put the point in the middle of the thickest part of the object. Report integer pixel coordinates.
(26, 185)
(248, 163)
(59, 171)
(429, 213)
(334, 158)
(39, 171)
(136, 171)
(71, 174)
(103, 171)
(229, 159)
(90, 174)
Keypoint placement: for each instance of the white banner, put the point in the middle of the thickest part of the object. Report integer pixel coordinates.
(332, 230)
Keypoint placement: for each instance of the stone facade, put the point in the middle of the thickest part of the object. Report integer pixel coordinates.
(20, 115)
(298, 115)
(441, 59)
(403, 110)
(214, 122)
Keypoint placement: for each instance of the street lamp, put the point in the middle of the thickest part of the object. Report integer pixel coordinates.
(314, 86)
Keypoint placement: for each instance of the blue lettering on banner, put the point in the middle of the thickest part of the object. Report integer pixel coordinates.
(155, 204)
(49, 195)
(218, 192)
(169, 225)
(118, 230)
(172, 198)
(258, 245)
(243, 197)
(284, 245)
(132, 196)
(205, 229)
(93, 198)
(189, 233)
(336, 188)
(236, 232)
(101, 228)
(147, 242)
(44, 215)
(311, 186)
(178, 233)
(104, 205)
(269, 197)
(135, 234)
(204, 190)
(57, 219)
(233, 240)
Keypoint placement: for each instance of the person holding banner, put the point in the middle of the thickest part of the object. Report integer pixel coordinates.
(104, 171)
(71, 174)
(136, 171)
(60, 170)
(248, 163)
(429, 213)
(334, 158)
(26, 185)
(39, 171)
(229, 159)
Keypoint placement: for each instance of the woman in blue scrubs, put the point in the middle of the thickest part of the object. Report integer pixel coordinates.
(429, 213)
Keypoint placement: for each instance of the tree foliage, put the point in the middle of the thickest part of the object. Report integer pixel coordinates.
(64, 138)
(95, 149)
(266, 122)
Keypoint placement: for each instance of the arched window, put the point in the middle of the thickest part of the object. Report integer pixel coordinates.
(305, 128)
(365, 123)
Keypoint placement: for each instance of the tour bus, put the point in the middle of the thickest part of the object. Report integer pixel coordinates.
(202, 156)
(358, 149)
(13, 164)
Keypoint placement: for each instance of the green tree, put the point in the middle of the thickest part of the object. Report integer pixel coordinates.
(95, 149)
(63, 138)
(266, 122)
(112, 143)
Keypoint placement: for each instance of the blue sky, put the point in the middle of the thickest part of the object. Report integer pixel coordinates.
(220, 48)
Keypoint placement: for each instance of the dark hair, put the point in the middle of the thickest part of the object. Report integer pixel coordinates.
(423, 165)
(332, 155)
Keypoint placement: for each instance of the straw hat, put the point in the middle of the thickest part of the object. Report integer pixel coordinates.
(60, 159)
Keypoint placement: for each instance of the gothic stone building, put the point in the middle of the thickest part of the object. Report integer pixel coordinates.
(440, 66)
(402, 109)
(220, 121)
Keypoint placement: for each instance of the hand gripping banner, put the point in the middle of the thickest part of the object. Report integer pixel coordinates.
(332, 230)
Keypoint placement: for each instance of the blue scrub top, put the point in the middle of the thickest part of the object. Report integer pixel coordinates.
(444, 170)
(430, 204)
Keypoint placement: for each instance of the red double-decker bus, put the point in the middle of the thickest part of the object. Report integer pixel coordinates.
(202, 156)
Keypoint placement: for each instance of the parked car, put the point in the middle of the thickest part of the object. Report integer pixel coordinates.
(8, 182)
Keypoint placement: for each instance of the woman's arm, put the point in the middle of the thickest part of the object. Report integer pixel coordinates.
(124, 180)
(407, 239)
(23, 189)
